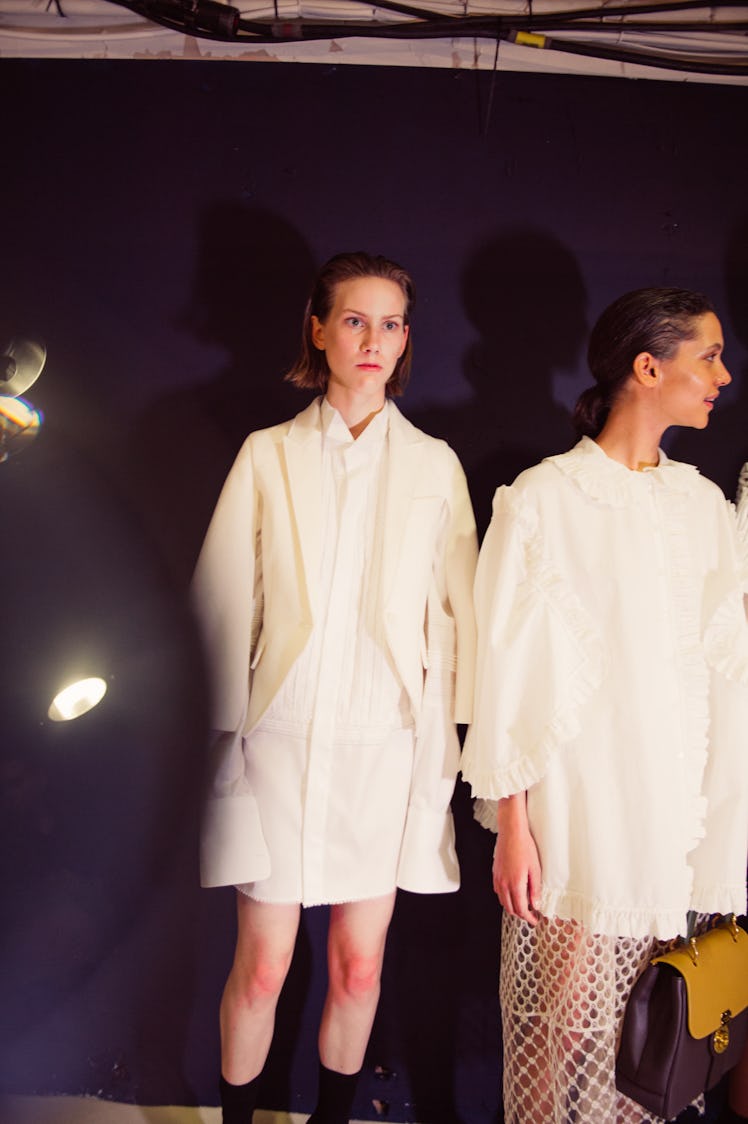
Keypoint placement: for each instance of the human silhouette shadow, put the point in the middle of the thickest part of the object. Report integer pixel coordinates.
(523, 292)
(253, 273)
(721, 451)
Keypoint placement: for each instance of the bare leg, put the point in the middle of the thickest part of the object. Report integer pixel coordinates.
(355, 950)
(266, 936)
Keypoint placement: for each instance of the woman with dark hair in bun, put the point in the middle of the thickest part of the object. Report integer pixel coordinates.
(611, 706)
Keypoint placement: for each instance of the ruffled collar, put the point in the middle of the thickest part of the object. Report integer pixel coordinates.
(609, 481)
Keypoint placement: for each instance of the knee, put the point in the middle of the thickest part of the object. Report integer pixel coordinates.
(357, 978)
(262, 980)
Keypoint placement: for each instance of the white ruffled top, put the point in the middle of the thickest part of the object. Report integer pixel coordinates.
(612, 685)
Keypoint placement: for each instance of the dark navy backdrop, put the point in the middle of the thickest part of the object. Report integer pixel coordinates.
(160, 222)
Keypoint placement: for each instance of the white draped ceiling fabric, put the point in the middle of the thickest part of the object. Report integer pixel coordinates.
(671, 40)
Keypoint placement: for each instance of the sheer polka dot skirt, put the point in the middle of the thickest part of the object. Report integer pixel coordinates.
(563, 994)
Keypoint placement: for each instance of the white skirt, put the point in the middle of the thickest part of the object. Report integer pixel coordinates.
(333, 817)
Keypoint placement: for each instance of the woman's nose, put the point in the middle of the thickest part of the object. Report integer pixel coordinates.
(725, 378)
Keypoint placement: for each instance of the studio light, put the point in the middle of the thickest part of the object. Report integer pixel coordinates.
(20, 366)
(77, 699)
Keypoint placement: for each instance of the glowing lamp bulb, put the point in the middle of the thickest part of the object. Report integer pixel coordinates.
(77, 699)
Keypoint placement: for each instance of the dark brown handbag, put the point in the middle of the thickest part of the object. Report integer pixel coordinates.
(686, 1021)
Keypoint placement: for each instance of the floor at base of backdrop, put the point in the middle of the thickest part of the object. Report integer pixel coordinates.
(89, 1110)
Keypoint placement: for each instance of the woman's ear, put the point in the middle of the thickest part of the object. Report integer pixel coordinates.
(646, 369)
(318, 333)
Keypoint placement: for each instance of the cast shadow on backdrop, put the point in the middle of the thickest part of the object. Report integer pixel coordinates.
(252, 276)
(523, 293)
(723, 449)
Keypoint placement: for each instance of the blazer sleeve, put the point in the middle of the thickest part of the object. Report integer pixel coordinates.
(227, 599)
(226, 592)
(448, 683)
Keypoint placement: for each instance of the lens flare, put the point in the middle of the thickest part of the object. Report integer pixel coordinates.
(19, 424)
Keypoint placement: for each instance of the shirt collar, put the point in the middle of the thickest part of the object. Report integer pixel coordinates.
(609, 481)
(335, 429)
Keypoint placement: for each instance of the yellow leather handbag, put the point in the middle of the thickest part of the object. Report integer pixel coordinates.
(686, 1020)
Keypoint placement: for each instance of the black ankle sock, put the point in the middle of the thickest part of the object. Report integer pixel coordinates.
(335, 1097)
(238, 1101)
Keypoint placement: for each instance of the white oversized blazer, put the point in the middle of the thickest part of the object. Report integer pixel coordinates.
(257, 608)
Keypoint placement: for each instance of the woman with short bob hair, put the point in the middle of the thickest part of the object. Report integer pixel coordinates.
(310, 371)
(611, 707)
(334, 589)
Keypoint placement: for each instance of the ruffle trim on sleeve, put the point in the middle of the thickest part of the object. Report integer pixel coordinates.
(741, 496)
(485, 813)
(742, 519)
(570, 689)
(726, 634)
(583, 679)
(726, 637)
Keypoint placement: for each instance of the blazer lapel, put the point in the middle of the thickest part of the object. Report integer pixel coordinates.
(303, 452)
